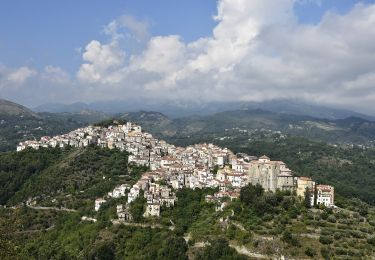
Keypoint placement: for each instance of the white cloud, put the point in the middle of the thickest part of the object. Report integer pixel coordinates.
(162, 55)
(102, 62)
(130, 26)
(29, 87)
(257, 51)
(21, 75)
(55, 75)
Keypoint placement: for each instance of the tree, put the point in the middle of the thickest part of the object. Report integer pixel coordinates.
(103, 251)
(250, 193)
(307, 201)
(219, 249)
(310, 252)
(289, 238)
(137, 207)
(173, 248)
(325, 240)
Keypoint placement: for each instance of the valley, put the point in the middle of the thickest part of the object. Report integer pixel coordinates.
(50, 209)
(48, 194)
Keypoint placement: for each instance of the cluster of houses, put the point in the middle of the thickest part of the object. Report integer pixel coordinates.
(319, 194)
(119, 136)
(172, 168)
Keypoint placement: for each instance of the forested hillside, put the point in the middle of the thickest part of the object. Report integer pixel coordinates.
(351, 130)
(52, 189)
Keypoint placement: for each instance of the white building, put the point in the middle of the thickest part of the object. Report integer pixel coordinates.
(133, 194)
(119, 191)
(98, 203)
(152, 209)
(325, 195)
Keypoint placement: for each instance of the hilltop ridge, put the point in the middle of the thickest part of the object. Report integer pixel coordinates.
(9, 108)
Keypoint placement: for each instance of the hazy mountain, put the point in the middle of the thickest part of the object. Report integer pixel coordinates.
(301, 108)
(59, 108)
(350, 130)
(176, 109)
(8, 108)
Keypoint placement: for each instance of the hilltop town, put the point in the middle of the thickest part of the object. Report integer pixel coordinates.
(196, 166)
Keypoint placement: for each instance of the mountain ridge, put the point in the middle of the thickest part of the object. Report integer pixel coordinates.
(349, 130)
(9, 108)
(174, 109)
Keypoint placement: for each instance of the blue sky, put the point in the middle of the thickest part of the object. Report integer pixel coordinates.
(45, 32)
(321, 51)
(41, 32)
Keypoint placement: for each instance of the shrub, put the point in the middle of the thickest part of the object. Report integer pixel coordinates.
(324, 215)
(310, 252)
(331, 219)
(341, 251)
(105, 250)
(356, 234)
(325, 240)
(291, 239)
(325, 252)
(245, 237)
(371, 241)
(337, 235)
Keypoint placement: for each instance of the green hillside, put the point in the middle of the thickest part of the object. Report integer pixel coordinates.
(351, 130)
(61, 186)
(8, 108)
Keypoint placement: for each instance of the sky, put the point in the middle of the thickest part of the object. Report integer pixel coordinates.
(319, 51)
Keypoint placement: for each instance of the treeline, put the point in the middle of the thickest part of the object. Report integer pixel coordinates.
(70, 238)
(16, 168)
(111, 121)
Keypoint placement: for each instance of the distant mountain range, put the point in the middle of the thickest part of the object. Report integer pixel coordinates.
(8, 108)
(323, 124)
(350, 130)
(176, 109)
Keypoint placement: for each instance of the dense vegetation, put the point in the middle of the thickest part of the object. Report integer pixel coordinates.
(110, 121)
(259, 222)
(17, 168)
(83, 174)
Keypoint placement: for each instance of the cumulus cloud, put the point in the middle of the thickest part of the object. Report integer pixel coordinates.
(31, 87)
(102, 62)
(128, 26)
(55, 75)
(21, 75)
(257, 51)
